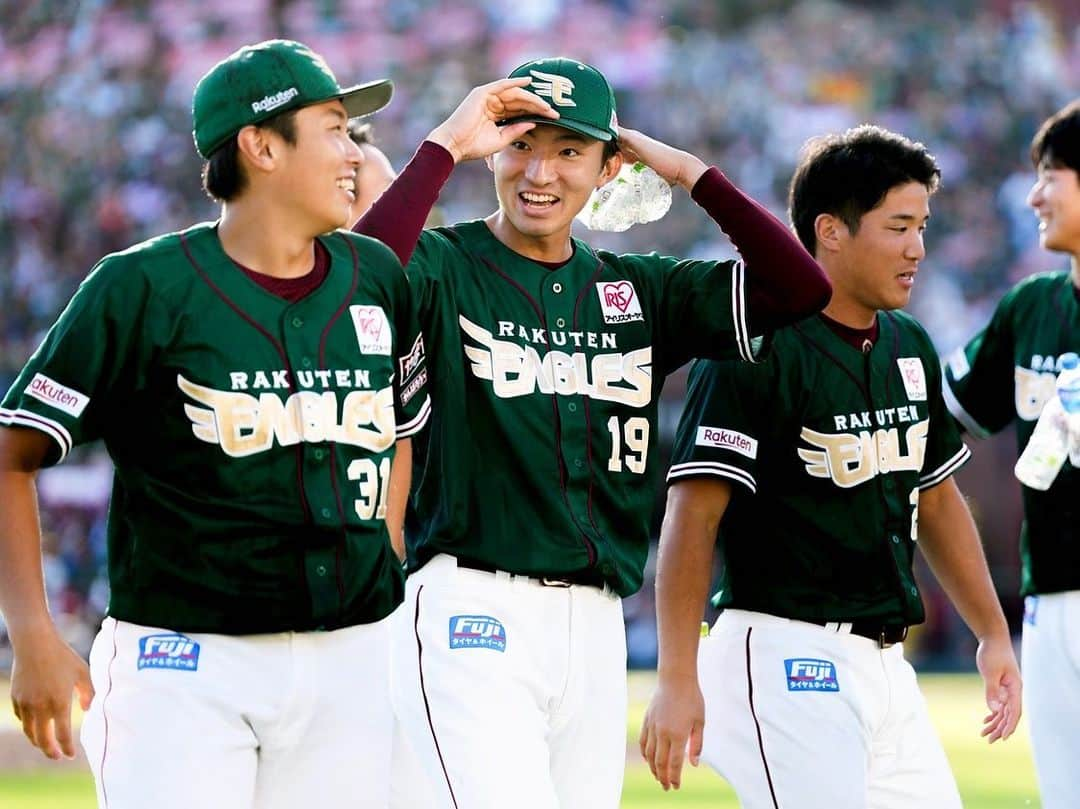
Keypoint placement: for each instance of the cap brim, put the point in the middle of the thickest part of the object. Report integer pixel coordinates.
(364, 99)
(573, 126)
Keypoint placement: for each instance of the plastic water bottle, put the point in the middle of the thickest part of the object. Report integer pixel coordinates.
(1057, 432)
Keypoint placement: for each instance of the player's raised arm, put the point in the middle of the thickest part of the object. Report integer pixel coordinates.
(472, 131)
(45, 670)
(675, 719)
(783, 282)
(950, 543)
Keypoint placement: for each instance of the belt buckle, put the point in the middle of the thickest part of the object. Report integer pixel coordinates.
(885, 644)
(549, 582)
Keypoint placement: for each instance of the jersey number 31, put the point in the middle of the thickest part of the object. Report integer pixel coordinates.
(374, 483)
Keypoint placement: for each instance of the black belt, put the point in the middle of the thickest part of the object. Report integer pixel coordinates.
(588, 578)
(884, 635)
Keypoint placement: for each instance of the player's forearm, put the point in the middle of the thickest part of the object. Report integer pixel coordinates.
(950, 543)
(783, 282)
(22, 581)
(684, 568)
(22, 584)
(398, 496)
(398, 215)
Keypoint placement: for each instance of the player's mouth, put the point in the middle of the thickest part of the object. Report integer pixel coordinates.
(348, 185)
(537, 202)
(907, 279)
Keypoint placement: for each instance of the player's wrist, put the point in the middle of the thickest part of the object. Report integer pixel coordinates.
(691, 171)
(440, 137)
(28, 632)
(998, 633)
(679, 673)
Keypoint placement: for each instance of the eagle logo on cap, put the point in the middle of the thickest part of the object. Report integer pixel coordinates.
(551, 85)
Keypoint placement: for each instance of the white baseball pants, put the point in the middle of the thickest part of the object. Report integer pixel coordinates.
(229, 722)
(1050, 659)
(798, 716)
(509, 692)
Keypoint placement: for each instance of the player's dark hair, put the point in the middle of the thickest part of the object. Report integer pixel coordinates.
(360, 131)
(848, 175)
(611, 148)
(222, 177)
(1057, 143)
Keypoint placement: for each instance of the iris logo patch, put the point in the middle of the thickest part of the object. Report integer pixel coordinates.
(477, 632)
(168, 652)
(806, 674)
(619, 302)
(911, 371)
(372, 329)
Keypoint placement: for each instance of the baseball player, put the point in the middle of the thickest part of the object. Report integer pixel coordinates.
(250, 378)
(1006, 374)
(832, 461)
(546, 360)
(375, 173)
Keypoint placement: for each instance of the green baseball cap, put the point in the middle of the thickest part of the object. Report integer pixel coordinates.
(263, 80)
(577, 91)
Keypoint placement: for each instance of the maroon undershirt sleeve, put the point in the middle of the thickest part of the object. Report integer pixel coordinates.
(783, 282)
(398, 215)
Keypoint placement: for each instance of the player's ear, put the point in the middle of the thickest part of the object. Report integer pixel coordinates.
(256, 146)
(829, 230)
(610, 169)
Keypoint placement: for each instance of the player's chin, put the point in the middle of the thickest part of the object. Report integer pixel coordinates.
(894, 299)
(1052, 240)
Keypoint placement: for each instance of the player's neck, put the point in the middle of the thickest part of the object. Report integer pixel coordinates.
(550, 249)
(848, 312)
(253, 239)
(1075, 261)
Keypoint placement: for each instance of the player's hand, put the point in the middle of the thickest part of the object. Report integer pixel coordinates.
(1001, 677)
(674, 165)
(472, 130)
(44, 674)
(675, 718)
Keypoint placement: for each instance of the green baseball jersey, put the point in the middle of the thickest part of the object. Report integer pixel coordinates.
(830, 447)
(1006, 374)
(252, 437)
(540, 455)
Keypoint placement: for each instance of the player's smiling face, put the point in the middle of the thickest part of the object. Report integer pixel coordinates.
(1056, 200)
(316, 177)
(875, 267)
(543, 179)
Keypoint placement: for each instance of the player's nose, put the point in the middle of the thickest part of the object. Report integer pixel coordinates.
(540, 170)
(915, 248)
(353, 153)
(1035, 195)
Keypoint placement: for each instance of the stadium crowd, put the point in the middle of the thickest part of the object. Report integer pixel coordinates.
(96, 153)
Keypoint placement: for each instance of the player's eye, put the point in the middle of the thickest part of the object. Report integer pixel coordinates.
(519, 145)
(570, 152)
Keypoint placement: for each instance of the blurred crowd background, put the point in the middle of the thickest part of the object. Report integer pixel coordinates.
(96, 154)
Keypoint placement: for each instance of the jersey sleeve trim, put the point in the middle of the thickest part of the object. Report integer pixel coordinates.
(946, 469)
(416, 424)
(24, 418)
(738, 312)
(973, 427)
(714, 469)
